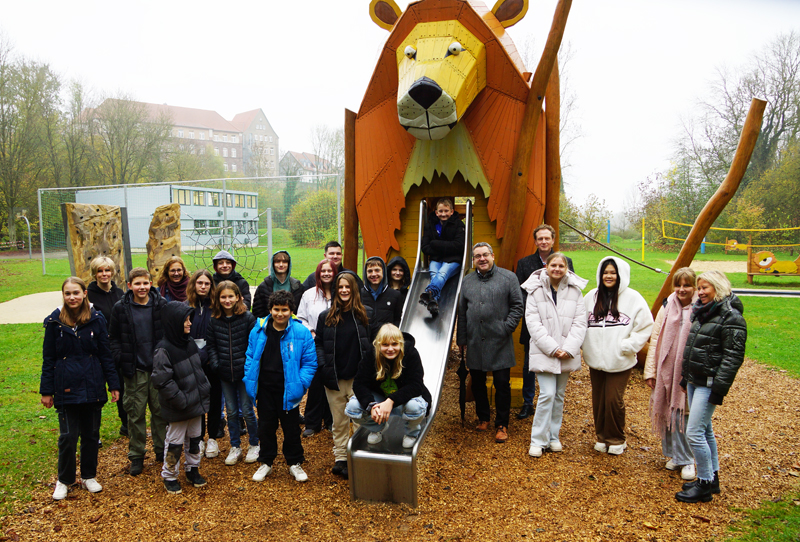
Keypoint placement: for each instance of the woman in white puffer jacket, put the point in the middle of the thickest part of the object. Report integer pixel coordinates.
(556, 318)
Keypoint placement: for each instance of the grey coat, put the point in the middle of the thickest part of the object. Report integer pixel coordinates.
(488, 313)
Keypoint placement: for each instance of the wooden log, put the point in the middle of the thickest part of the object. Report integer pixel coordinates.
(552, 191)
(350, 236)
(717, 202)
(533, 109)
(94, 230)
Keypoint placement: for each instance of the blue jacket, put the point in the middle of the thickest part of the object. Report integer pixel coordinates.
(77, 363)
(299, 360)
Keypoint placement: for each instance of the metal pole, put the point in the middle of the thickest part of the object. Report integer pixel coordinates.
(41, 227)
(608, 232)
(339, 207)
(225, 212)
(30, 254)
(269, 235)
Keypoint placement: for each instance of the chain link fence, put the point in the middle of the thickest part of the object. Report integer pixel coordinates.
(245, 216)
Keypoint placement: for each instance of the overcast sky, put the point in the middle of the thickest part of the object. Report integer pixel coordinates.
(638, 67)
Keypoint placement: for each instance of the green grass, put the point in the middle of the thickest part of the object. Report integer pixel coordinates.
(772, 522)
(29, 447)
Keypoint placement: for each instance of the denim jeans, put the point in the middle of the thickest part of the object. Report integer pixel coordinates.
(236, 398)
(699, 432)
(549, 409)
(528, 379)
(413, 412)
(440, 273)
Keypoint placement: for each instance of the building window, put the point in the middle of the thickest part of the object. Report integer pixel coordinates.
(239, 200)
(216, 151)
(229, 200)
(233, 153)
(251, 202)
(225, 152)
(182, 196)
(225, 166)
(270, 139)
(233, 167)
(235, 139)
(180, 133)
(253, 226)
(213, 227)
(199, 198)
(200, 227)
(216, 138)
(191, 135)
(203, 136)
(225, 138)
(213, 199)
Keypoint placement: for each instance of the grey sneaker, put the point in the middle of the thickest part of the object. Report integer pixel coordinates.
(374, 438)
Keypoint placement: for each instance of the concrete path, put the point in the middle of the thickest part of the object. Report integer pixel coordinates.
(30, 309)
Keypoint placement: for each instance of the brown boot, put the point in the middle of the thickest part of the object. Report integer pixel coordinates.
(502, 435)
(482, 426)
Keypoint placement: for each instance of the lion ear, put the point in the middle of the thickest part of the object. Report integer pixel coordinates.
(385, 13)
(510, 12)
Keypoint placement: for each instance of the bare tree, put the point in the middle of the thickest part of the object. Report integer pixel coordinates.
(328, 146)
(127, 139)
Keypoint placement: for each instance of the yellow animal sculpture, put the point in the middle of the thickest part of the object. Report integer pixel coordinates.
(768, 263)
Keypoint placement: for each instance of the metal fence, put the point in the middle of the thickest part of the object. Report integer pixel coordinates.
(248, 215)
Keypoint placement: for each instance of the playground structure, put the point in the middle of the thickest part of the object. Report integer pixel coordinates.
(760, 262)
(450, 111)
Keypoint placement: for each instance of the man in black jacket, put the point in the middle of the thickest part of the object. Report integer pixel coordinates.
(386, 303)
(544, 235)
(333, 253)
(134, 330)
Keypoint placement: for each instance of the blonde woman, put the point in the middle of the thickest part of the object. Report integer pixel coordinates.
(391, 384)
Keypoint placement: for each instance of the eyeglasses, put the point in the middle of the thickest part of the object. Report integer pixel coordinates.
(484, 256)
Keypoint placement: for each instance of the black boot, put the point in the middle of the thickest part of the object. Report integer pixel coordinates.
(425, 298)
(525, 412)
(700, 492)
(433, 308)
(714, 484)
(193, 475)
(137, 466)
(340, 469)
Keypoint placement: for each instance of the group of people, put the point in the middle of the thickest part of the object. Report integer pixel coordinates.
(180, 349)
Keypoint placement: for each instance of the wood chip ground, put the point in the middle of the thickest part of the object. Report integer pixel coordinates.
(469, 487)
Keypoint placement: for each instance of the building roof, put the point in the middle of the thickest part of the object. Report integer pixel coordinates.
(316, 163)
(243, 121)
(190, 117)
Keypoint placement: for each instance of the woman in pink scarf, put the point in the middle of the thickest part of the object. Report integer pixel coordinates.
(662, 372)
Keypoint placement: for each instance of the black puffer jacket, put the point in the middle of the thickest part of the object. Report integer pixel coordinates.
(267, 286)
(76, 363)
(387, 305)
(226, 344)
(102, 300)
(325, 340)
(715, 347)
(399, 260)
(410, 383)
(123, 335)
(183, 389)
(449, 247)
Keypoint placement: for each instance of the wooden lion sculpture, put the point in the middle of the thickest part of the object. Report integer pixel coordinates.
(445, 102)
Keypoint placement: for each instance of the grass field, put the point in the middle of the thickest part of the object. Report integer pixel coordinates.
(28, 451)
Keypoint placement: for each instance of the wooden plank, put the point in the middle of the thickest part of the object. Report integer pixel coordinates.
(350, 238)
(553, 153)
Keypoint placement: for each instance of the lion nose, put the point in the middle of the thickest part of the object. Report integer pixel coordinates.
(425, 92)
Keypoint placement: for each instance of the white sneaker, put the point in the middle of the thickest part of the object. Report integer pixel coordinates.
(252, 454)
(374, 438)
(212, 448)
(262, 472)
(555, 446)
(535, 451)
(202, 448)
(91, 485)
(688, 472)
(408, 441)
(298, 473)
(671, 465)
(233, 456)
(60, 492)
(601, 447)
(617, 449)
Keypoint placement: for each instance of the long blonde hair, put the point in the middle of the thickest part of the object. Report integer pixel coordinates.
(388, 333)
(84, 312)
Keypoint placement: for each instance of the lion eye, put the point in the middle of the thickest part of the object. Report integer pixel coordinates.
(411, 52)
(455, 48)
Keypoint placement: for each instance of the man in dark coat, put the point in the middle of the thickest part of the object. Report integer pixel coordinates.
(333, 253)
(488, 313)
(544, 235)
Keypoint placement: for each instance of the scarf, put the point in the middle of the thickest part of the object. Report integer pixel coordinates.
(701, 312)
(668, 400)
(176, 291)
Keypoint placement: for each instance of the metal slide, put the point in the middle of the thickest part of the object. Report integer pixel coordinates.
(386, 471)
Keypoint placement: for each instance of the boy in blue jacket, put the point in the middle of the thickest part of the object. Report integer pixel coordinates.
(281, 361)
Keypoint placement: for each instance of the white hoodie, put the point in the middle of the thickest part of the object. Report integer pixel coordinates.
(611, 345)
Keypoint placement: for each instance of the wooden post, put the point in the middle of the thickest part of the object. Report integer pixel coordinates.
(350, 238)
(715, 205)
(552, 154)
(750, 259)
(522, 159)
